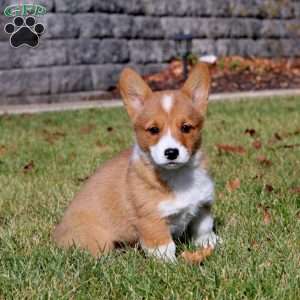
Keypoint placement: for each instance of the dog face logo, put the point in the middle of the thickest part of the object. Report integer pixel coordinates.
(24, 30)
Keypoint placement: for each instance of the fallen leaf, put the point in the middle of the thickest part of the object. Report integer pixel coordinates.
(6, 117)
(258, 176)
(295, 132)
(87, 129)
(254, 244)
(289, 146)
(26, 115)
(2, 150)
(277, 136)
(295, 190)
(256, 144)
(232, 185)
(28, 167)
(231, 149)
(197, 257)
(99, 144)
(263, 160)
(83, 179)
(220, 195)
(269, 188)
(72, 156)
(283, 135)
(250, 131)
(266, 214)
(51, 137)
(102, 147)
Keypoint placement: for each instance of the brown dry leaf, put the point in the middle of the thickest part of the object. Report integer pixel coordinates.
(99, 144)
(51, 137)
(72, 156)
(2, 150)
(6, 117)
(87, 129)
(289, 146)
(83, 179)
(220, 195)
(283, 135)
(26, 115)
(263, 160)
(297, 132)
(231, 149)
(269, 188)
(258, 176)
(295, 190)
(28, 167)
(102, 147)
(197, 257)
(256, 144)
(289, 134)
(232, 185)
(250, 131)
(266, 216)
(277, 136)
(254, 244)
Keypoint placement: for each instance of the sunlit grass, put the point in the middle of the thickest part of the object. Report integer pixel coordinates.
(45, 158)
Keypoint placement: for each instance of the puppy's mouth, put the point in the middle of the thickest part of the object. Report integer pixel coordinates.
(172, 165)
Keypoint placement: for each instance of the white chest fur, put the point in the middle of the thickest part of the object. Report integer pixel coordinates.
(192, 188)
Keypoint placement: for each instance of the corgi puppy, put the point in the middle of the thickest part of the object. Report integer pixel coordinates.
(153, 192)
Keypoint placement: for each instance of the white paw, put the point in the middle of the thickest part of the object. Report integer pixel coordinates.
(164, 252)
(208, 240)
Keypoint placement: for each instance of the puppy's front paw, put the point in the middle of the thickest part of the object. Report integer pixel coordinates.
(208, 240)
(163, 252)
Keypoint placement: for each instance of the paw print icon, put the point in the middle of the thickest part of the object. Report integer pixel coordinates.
(24, 32)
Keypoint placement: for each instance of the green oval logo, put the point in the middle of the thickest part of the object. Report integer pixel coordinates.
(24, 10)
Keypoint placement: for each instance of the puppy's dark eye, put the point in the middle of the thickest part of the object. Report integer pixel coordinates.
(186, 128)
(153, 130)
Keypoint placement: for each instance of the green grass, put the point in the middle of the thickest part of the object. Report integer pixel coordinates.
(256, 261)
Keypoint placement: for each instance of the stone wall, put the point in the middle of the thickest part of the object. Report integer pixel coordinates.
(88, 42)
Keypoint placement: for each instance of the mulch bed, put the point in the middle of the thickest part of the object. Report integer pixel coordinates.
(233, 74)
(236, 74)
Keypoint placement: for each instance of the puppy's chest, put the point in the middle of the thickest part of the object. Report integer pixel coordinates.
(191, 189)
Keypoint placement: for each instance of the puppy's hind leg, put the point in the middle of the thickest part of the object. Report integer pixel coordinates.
(93, 238)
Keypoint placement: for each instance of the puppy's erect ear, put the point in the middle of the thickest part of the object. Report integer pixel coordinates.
(197, 87)
(134, 91)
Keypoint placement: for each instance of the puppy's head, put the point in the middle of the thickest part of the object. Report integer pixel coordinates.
(167, 124)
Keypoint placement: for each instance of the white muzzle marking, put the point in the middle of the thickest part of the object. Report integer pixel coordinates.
(158, 156)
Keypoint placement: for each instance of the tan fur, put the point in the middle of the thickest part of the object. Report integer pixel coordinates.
(119, 202)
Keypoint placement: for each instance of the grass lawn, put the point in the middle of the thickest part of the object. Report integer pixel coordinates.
(45, 158)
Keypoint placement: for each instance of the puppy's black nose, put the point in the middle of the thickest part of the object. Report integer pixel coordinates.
(171, 153)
